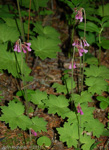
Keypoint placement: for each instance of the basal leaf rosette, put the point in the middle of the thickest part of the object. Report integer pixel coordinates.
(14, 115)
(44, 47)
(57, 105)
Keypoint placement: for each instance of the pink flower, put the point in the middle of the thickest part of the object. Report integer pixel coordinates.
(17, 46)
(78, 44)
(79, 109)
(79, 15)
(33, 132)
(85, 43)
(74, 65)
(24, 47)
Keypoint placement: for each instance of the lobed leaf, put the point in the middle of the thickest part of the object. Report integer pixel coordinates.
(44, 47)
(8, 33)
(38, 98)
(95, 71)
(8, 62)
(13, 114)
(96, 85)
(57, 105)
(38, 124)
(69, 134)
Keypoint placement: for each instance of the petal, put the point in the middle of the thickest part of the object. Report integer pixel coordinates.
(74, 65)
(70, 66)
(85, 51)
(29, 44)
(23, 50)
(15, 48)
(81, 112)
(28, 48)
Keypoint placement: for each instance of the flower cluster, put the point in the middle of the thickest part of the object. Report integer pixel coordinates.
(22, 46)
(79, 109)
(79, 15)
(33, 132)
(80, 44)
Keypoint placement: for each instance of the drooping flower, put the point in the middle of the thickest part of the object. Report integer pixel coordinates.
(22, 46)
(78, 44)
(17, 47)
(79, 109)
(33, 132)
(74, 65)
(85, 43)
(79, 15)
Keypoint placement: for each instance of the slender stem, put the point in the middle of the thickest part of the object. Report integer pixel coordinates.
(29, 21)
(84, 22)
(79, 90)
(103, 7)
(83, 73)
(99, 63)
(28, 28)
(72, 78)
(30, 136)
(78, 131)
(22, 31)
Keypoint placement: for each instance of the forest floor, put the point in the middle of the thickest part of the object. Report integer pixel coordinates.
(45, 73)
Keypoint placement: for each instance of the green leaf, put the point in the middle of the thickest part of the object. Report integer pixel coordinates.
(106, 10)
(44, 141)
(105, 19)
(57, 105)
(90, 26)
(69, 134)
(13, 114)
(46, 12)
(34, 4)
(16, 24)
(89, 36)
(94, 19)
(104, 101)
(47, 31)
(5, 12)
(95, 126)
(44, 47)
(68, 83)
(38, 98)
(105, 44)
(8, 61)
(106, 24)
(94, 145)
(84, 97)
(92, 61)
(60, 88)
(87, 141)
(96, 71)
(38, 124)
(8, 33)
(96, 85)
